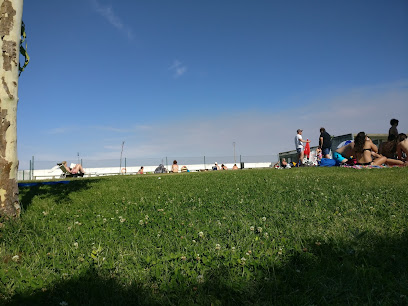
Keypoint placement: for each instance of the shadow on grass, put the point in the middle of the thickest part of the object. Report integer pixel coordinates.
(368, 270)
(58, 192)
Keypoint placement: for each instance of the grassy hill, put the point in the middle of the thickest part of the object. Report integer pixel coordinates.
(304, 236)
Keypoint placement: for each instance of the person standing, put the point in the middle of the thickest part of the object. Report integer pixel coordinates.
(299, 146)
(325, 142)
(393, 131)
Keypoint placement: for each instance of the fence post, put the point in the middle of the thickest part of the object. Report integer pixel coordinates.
(205, 166)
(32, 168)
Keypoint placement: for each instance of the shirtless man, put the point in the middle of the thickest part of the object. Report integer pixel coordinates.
(402, 146)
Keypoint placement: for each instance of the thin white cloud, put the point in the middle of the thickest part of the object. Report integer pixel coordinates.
(112, 129)
(263, 133)
(61, 130)
(178, 69)
(118, 147)
(108, 13)
(121, 130)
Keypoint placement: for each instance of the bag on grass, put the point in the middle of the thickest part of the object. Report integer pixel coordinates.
(327, 162)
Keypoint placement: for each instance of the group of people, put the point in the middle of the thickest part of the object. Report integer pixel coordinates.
(361, 150)
(223, 167)
(175, 168)
(322, 151)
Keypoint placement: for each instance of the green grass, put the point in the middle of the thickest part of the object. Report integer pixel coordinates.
(300, 236)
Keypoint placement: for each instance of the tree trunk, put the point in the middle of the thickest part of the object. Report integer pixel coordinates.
(11, 12)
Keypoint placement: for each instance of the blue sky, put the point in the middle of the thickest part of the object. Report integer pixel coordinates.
(189, 78)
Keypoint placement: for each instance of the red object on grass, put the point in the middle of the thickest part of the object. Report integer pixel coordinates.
(307, 149)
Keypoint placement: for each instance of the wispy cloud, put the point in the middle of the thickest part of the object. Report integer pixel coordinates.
(178, 69)
(112, 129)
(108, 13)
(61, 130)
(121, 130)
(264, 133)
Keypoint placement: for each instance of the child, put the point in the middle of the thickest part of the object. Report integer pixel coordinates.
(319, 154)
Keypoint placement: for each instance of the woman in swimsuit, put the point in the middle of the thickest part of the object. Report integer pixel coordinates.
(76, 169)
(366, 153)
(365, 150)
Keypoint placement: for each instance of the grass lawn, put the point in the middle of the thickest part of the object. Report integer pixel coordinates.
(299, 236)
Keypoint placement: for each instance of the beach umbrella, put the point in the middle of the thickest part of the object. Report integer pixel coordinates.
(307, 150)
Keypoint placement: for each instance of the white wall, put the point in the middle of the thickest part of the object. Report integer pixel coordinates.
(55, 172)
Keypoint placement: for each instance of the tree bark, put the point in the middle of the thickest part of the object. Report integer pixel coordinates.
(11, 12)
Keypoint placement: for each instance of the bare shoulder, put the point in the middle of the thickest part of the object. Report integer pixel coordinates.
(403, 144)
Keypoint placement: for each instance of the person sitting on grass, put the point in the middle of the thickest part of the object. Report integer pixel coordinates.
(174, 167)
(365, 150)
(367, 153)
(224, 167)
(344, 152)
(74, 170)
(389, 147)
(319, 154)
(235, 167)
(402, 146)
(140, 170)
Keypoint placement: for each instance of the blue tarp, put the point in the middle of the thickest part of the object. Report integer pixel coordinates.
(42, 183)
